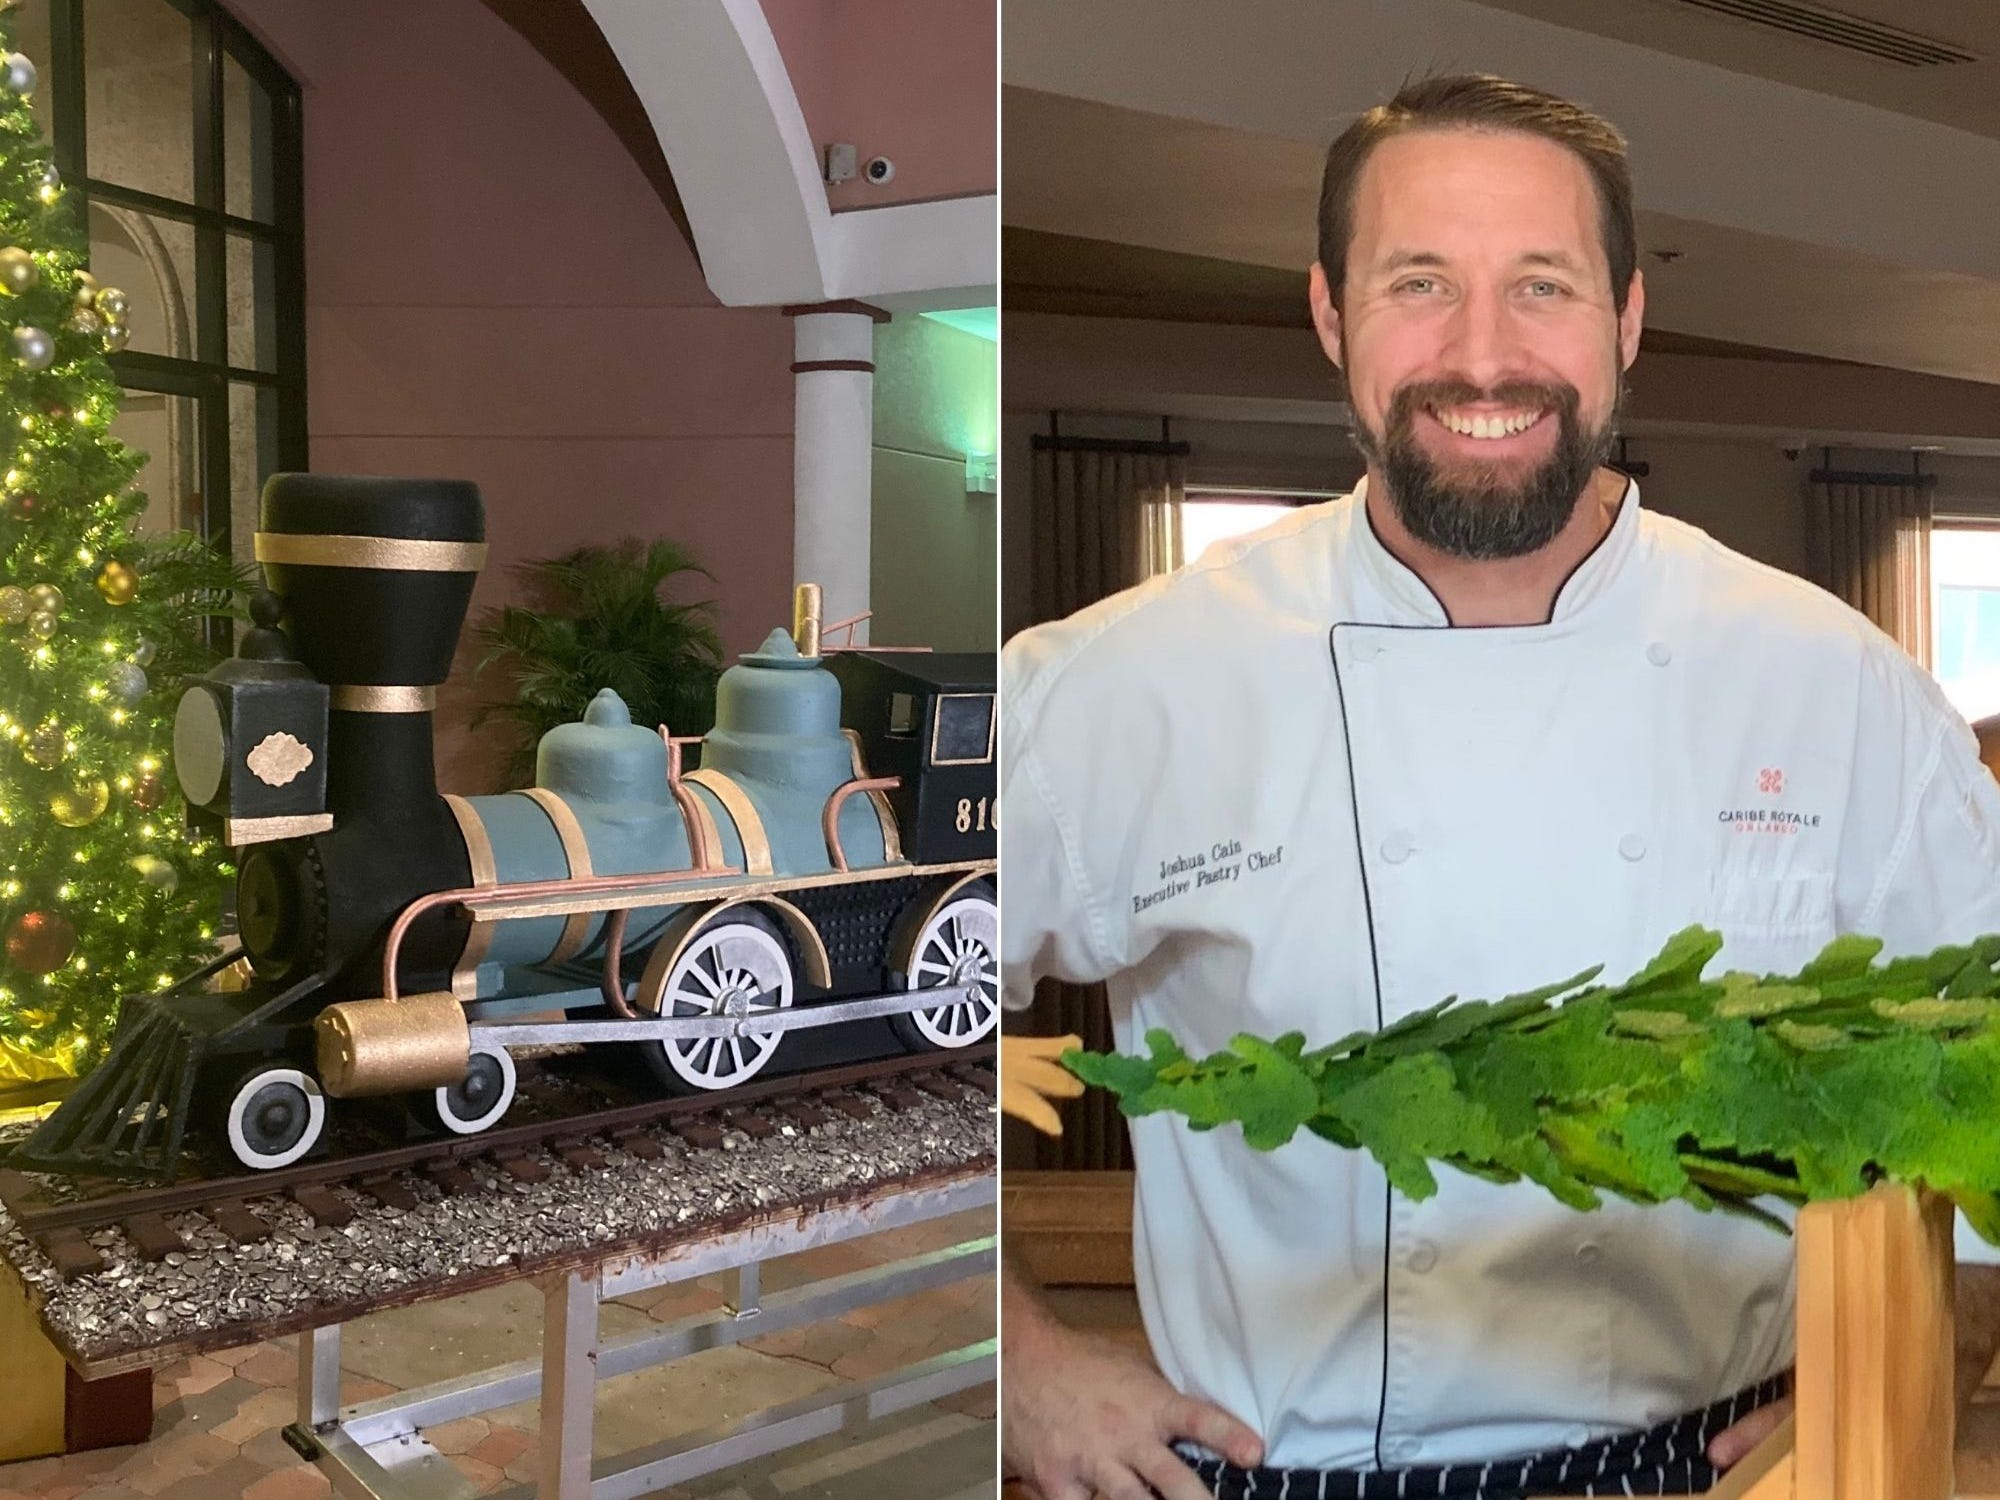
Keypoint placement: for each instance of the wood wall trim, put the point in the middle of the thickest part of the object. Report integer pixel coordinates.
(1074, 1228)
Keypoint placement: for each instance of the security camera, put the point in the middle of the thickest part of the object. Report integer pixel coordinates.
(880, 170)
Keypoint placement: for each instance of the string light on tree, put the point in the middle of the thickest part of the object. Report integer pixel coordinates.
(105, 889)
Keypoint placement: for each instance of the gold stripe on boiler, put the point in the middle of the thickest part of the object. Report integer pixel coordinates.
(399, 554)
(575, 850)
(743, 813)
(478, 935)
(371, 699)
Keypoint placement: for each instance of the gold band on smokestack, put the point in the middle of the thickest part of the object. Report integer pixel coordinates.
(805, 619)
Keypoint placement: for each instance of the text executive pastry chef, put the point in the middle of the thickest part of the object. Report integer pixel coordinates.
(1485, 722)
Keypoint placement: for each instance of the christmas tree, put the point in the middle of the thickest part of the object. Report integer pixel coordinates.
(103, 890)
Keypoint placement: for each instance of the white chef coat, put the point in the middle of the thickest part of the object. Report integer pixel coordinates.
(1273, 792)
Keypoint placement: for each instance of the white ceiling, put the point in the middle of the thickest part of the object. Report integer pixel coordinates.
(1844, 221)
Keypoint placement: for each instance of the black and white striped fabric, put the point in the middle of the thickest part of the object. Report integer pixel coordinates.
(1669, 1459)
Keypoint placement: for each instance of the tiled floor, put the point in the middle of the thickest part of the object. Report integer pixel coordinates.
(218, 1418)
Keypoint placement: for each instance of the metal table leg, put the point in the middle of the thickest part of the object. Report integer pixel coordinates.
(569, 1384)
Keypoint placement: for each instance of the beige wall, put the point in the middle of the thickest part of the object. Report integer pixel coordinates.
(933, 551)
(1729, 443)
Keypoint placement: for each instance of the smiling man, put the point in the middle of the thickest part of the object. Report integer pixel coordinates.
(1482, 723)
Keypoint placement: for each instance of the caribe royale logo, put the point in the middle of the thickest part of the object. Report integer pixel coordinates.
(1770, 783)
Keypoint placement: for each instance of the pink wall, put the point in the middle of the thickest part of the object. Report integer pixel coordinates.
(912, 80)
(497, 290)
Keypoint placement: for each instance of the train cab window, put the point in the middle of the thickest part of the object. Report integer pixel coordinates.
(963, 735)
(903, 714)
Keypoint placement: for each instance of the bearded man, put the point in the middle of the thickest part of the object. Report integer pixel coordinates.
(1484, 722)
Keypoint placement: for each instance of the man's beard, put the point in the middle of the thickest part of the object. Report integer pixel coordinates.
(1485, 511)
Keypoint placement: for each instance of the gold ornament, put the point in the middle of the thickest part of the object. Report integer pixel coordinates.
(85, 322)
(80, 805)
(41, 624)
(15, 605)
(40, 942)
(18, 270)
(148, 791)
(117, 336)
(33, 347)
(46, 596)
(117, 583)
(112, 303)
(45, 747)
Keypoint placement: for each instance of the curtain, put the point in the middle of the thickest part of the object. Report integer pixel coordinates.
(1869, 542)
(1106, 516)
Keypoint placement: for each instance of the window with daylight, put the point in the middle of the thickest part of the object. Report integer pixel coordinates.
(1965, 613)
(182, 134)
(1212, 515)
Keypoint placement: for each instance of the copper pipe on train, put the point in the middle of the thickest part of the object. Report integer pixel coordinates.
(829, 816)
(614, 957)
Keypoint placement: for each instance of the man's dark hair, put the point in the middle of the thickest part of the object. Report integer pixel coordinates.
(1479, 101)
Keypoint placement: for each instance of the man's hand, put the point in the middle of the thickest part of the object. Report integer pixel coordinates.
(1734, 1444)
(1030, 1077)
(1082, 1417)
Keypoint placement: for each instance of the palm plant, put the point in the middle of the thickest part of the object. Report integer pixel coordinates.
(602, 624)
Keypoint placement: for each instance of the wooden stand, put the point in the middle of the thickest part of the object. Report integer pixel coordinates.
(1874, 1412)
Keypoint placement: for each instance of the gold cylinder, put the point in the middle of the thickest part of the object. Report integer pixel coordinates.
(392, 1046)
(806, 618)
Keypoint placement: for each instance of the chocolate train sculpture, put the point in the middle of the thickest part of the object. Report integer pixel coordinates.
(829, 865)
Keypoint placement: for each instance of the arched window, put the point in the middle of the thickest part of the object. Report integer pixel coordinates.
(183, 134)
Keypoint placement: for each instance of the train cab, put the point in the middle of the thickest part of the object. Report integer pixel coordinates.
(928, 718)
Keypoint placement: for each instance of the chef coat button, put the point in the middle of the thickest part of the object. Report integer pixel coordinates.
(1589, 1252)
(1423, 1257)
(1576, 1437)
(1366, 649)
(1659, 653)
(1404, 1450)
(1397, 847)
(1632, 847)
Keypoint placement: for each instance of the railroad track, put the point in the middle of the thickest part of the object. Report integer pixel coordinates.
(391, 1176)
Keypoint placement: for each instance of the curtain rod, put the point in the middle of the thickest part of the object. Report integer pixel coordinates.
(1868, 476)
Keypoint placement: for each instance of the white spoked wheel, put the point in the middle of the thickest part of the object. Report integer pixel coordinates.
(960, 944)
(276, 1115)
(738, 967)
(481, 1097)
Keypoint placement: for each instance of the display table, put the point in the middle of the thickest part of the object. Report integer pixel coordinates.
(625, 1220)
(1875, 1358)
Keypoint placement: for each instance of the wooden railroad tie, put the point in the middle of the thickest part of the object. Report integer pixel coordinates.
(328, 1209)
(387, 1190)
(852, 1105)
(895, 1094)
(978, 1077)
(450, 1178)
(638, 1141)
(233, 1219)
(700, 1133)
(579, 1155)
(521, 1167)
(70, 1253)
(938, 1086)
(802, 1113)
(758, 1127)
(152, 1236)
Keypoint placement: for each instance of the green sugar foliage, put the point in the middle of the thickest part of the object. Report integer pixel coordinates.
(1716, 1092)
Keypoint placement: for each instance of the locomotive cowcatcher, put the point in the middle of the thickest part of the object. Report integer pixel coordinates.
(829, 865)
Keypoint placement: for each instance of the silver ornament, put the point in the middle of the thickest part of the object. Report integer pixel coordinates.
(18, 270)
(33, 347)
(156, 872)
(49, 180)
(144, 652)
(17, 73)
(111, 302)
(127, 683)
(117, 336)
(86, 322)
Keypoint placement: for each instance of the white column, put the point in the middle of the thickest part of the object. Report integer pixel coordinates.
(833, 425)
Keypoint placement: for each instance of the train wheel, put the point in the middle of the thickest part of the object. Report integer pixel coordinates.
(481, 1097)
(275, 1116)
(959, 944)
(739, 966)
